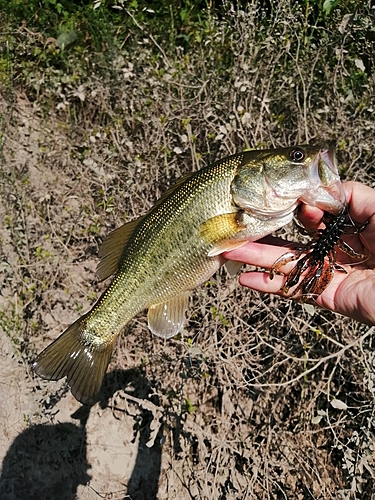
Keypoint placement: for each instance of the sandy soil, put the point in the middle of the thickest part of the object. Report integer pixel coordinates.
(51, 446)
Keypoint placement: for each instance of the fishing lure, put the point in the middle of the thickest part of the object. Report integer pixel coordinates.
(318, 257)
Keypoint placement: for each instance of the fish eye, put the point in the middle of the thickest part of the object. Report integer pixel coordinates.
(297, 154)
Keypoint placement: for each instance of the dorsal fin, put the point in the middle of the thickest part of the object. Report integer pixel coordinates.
(112, 247)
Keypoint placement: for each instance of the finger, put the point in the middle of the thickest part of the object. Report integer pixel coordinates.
(310, 216)
(261, 282)
(360, 198)
(261, 253)
(361, 201)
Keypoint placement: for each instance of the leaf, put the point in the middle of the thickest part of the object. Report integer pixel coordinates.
(316, 419)
(196, 351)
(359, 64)
(338, 404)
(329, 5)
(309, 308)
(66, 39)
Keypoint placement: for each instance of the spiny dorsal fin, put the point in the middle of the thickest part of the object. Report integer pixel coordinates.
(111, 249)
(167, 318)
(172, 188)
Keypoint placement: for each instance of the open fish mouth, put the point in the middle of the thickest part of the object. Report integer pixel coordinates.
(327, 191)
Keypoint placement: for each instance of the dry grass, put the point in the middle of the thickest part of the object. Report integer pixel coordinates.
(240, 406)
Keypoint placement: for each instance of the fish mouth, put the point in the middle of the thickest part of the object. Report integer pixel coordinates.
(327, 192)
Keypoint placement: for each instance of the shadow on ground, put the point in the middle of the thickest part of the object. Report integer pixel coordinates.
(50, 461)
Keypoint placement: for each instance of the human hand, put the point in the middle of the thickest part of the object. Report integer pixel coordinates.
(351, 294)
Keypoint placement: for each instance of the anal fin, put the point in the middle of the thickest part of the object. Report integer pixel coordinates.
(167, 318)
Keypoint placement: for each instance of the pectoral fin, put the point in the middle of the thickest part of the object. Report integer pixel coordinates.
(222, 232)
(112, 247)
(167, 319)
(225, 246)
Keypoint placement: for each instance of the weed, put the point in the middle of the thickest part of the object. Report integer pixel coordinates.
(106, 105)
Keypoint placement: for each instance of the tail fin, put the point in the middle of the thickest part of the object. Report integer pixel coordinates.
(83, 363)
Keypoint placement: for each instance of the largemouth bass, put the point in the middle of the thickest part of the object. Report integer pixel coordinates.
(159, 258)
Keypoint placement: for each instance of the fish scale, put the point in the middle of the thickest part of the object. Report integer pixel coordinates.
(160, 242)
(159, 258)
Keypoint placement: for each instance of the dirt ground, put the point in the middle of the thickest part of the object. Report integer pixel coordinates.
(50, 446)
(213, 414)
